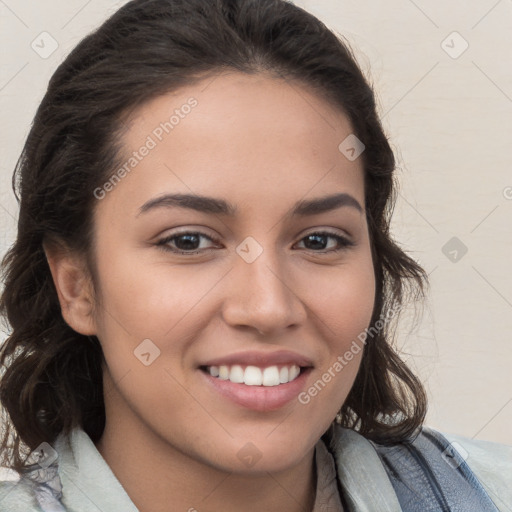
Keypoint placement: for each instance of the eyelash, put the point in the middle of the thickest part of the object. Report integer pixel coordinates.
(343, 242)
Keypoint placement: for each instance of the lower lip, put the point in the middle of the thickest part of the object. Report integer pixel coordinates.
(259, 398)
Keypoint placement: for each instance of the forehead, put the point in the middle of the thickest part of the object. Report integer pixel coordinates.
(239, 135)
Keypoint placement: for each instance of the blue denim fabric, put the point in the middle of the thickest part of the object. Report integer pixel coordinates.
(429, 475)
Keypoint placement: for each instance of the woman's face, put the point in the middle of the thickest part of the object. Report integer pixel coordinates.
(247, 285)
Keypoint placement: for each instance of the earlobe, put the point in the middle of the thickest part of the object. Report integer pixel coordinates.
(74, 288)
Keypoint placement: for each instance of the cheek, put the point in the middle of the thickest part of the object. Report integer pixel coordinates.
(344, 312)
(146, 298)
(344, 300)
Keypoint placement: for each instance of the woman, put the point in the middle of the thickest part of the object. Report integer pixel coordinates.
(203, 282)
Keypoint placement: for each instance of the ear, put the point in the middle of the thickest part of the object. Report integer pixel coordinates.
(74, 287)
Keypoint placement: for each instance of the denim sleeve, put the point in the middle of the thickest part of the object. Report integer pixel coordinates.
(430, 475)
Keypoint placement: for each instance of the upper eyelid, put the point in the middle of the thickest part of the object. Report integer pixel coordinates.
(170, 233)
(308, 231)
(183, 233)
(214, 239)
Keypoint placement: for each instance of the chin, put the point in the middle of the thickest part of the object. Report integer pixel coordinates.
(263, 453)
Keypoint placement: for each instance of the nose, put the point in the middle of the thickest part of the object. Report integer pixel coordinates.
(262, 296)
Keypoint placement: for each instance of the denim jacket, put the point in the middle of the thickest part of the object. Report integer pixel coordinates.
(432, 473)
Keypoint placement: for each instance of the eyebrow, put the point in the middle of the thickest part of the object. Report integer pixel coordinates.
(213, 205)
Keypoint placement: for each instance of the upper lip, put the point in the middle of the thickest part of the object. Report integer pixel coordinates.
(258, 358)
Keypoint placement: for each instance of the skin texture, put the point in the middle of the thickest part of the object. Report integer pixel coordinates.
(262, 144)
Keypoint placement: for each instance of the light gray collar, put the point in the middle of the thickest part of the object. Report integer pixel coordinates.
(89, 482)
(363, 478)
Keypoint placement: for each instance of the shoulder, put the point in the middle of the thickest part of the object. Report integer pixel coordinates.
(37, 489)
(17, 496)
(490, 462)
(453, 472)
(459, 470)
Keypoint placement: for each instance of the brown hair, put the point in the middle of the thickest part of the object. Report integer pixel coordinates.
(52, 375)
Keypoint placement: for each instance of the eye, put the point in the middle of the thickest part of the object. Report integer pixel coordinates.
(319, 240)
(194, 242)
(188, 242)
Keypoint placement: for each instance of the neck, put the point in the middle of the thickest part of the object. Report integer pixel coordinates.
(156, 474)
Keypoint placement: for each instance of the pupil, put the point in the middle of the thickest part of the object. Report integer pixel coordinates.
(317, 237)
(189, 240)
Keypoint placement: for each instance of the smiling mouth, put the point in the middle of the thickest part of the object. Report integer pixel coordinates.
(255, 376)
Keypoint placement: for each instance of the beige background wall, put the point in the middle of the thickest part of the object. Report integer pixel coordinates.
(447, 107)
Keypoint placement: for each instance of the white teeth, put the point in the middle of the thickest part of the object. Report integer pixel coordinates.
(271, 376)
(236, 374)
(224, 372)
(294, 372)
(254, 376)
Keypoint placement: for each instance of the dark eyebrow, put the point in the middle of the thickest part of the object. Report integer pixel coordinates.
(325, 204)
(192, 202)
(220, 207)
